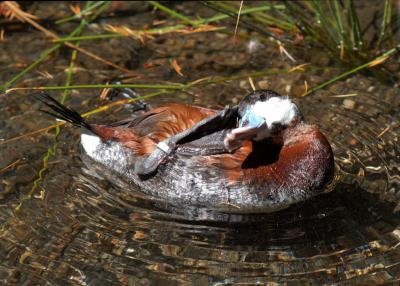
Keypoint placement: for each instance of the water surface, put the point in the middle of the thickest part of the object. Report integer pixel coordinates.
(85, 226)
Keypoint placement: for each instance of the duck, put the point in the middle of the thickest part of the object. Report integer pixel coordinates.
(258, 156)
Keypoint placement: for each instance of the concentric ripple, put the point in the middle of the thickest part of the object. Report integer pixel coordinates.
(97, 230)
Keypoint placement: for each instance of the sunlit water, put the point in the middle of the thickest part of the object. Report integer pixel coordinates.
(85, 226)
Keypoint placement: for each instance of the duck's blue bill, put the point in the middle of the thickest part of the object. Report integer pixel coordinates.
(251, 120)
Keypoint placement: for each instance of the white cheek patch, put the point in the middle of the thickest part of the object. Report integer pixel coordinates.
(276, 110)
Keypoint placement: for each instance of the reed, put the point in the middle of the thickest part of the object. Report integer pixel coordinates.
(331, 25)
(335, 26)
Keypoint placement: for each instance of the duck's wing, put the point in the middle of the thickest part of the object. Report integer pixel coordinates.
(142, 133)
(206, 137)
(169, 120)
(171, 125)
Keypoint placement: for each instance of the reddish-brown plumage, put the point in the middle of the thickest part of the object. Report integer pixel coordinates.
(259, 156)
(275, 163)
(269, 165)
(154, 126)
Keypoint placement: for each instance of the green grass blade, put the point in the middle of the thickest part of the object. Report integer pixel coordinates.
(387, 16)
(355, 34)
(173, 13)
(233, 14)
(41, 58)
(379, 59)
(212, 19)
(336, 12)
(325, 23)
(260, 17)
(89, 8)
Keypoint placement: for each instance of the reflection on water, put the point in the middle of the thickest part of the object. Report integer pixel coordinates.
(93, 229)
(85, 226)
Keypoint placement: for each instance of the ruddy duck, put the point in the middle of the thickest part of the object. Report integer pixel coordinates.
(258, 156)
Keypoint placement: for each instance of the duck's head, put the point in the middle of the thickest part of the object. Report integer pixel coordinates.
(263, 114)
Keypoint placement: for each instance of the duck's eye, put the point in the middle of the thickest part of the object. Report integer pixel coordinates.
(276, 127)
(263, 97)
(244, 122)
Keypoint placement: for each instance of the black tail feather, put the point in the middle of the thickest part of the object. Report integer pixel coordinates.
(60, 111)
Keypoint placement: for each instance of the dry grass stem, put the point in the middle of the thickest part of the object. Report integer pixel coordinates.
(345, 95)
(238, 17)
(252, 83)
(9, 166)
(25, 17)
(383, 132)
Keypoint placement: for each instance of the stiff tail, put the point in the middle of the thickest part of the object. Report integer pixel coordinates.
(62, 112)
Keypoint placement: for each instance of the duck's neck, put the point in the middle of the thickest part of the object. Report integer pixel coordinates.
(296, 133)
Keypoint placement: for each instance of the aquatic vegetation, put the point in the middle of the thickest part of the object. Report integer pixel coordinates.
(333, 25)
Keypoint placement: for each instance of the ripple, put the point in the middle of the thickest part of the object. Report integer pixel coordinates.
(95, 228)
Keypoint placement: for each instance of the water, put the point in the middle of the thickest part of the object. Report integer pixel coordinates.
(84, 226)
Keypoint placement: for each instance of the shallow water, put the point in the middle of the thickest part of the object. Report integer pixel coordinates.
(85, 226)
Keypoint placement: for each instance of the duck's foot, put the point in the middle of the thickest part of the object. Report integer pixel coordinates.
(124, 93)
